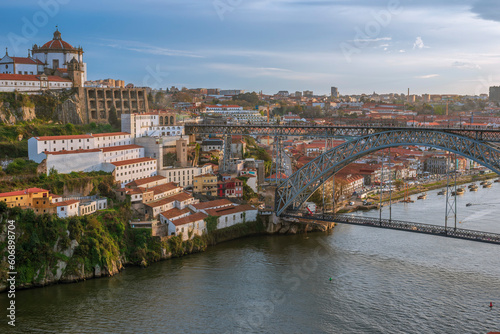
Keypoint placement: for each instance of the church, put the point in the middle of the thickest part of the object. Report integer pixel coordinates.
(54, 65)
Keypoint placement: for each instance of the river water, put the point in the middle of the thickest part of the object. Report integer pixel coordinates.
(352, 280)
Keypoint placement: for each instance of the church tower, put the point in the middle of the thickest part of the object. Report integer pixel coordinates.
(75, 73)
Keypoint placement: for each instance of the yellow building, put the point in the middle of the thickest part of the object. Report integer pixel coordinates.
(205, 184)
(37, 199)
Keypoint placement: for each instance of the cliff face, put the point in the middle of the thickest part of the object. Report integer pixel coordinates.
(72, 110)
(10, 114)
(54, 250)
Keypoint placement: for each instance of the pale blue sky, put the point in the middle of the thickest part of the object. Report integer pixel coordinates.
(360, 46)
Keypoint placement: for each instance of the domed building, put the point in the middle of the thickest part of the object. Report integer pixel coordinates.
(57, 54)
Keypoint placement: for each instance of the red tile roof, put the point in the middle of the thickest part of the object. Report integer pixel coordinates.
(131, 161)
(24, 60)
(212, 204)
(229, 210)
(63, 137)
(120, 148)
(23, 192)
(109, 134)
(173, 213)
(189, 219)
(142, 182)
(31, 77)
(92, 150)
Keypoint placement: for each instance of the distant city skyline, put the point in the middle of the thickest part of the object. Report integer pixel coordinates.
(359, 46)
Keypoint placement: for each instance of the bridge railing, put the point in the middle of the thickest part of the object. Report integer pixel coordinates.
(449, 231)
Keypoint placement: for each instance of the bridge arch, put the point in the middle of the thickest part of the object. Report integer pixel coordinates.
(303, 183)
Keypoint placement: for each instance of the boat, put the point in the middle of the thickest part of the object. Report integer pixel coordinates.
(460, 191)
(487, 185)
(442, 192)
(483, 183)
(474, 189)
(468, 204)
(497, 180)
(423, 196)
(472, 185)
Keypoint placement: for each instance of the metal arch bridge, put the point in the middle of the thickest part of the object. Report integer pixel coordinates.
(482, 135)
(295, 190)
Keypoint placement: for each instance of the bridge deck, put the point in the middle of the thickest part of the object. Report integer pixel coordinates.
(438, 230)
(330, 131)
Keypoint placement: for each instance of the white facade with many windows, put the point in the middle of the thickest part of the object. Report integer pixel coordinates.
(129, 170)
(184, 176)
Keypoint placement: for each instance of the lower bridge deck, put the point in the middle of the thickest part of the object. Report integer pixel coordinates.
(450, 232)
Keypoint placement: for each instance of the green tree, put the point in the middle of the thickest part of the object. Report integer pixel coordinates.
(113, 118)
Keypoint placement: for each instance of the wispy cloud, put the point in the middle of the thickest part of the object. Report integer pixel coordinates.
(149, 49)
(419, 44)
(428, 76)
(256, 71)
(465, 65)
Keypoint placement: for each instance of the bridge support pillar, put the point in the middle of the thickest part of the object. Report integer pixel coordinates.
(227, 158)
(277, 167)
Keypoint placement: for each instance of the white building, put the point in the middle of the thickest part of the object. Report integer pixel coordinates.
(37, 146)
(231, 215)
(184, 176)
(32, 83)
(123, 152)
(129, 170)
(67, 209)
(151, 124)
(20, 65)
(191, 225)
(56, 54)
(216, 204)
(91, 206)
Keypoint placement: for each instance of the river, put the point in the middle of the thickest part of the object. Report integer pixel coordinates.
(352, 280)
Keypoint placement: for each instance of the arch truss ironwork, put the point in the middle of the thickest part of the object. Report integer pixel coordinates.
(294, 191)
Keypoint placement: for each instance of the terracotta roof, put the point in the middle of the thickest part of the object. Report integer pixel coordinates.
(163, 188)
(229, 210)
(63, 137)
(25, 60)
(23, 192)
(30, 77)
(189, 219)
(72, 152)
(131, 161)
(66, 203)
(109, 134)
(141, 182)
(181, 197)
(212, 204)
(173, 213)
(120, 148)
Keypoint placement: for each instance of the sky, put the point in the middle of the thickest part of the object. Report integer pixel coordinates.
(359, 46)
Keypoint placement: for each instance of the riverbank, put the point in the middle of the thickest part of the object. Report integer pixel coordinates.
(397, 196)
(50, 250)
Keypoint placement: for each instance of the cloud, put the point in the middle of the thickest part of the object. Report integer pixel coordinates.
(465, 65)
(419, 44)
(428, 76)
(373, 39)
(487, 9)
(149, 49)
(249, 71)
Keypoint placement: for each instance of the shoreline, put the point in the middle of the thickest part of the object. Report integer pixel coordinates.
(263, 226)
(399, 195)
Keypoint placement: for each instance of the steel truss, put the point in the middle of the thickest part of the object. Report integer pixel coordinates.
(482, 135)
(295, 190)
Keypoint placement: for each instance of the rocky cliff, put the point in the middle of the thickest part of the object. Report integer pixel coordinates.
(50, 250)
(11, 113)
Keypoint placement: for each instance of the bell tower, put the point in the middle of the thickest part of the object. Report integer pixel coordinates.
(75, 73)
